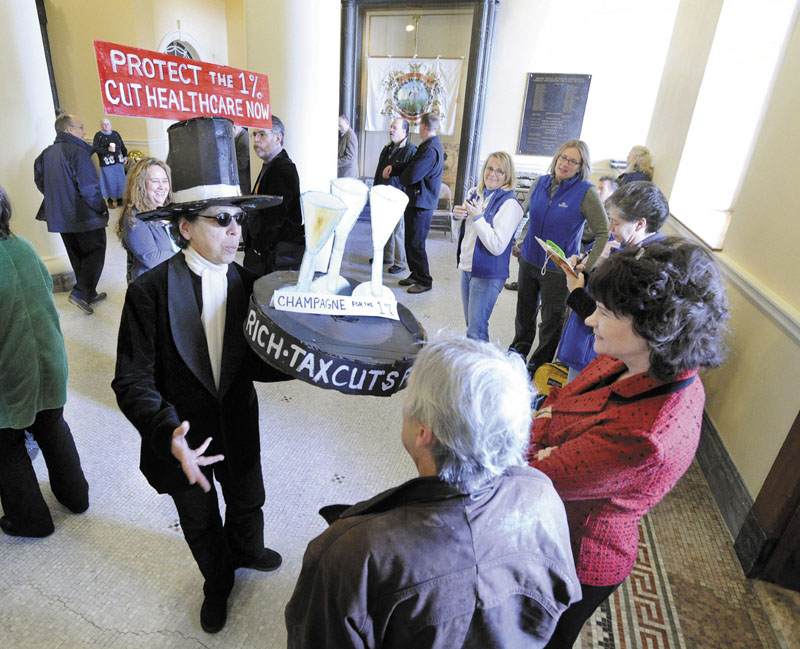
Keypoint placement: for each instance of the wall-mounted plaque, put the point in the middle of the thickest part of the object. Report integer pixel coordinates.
(553, 111)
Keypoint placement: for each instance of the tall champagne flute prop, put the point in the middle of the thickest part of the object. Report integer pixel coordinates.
(354, 194)
(321, 214)
(386, 209)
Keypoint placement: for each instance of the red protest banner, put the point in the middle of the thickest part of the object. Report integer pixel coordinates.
(141, 83)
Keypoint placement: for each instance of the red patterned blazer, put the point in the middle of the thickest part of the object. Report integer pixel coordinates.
(621, 448)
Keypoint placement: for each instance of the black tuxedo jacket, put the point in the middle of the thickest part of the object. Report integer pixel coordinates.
(163, 373)
(282, 222)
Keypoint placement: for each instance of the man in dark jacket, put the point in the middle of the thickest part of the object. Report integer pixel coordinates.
(74, 207)
(399, 150)
(421, 177)
(475, 552)
(275, 236)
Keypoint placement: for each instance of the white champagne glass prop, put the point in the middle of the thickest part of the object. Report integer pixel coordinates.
(386, 209)
(354, 193)
(321, 214)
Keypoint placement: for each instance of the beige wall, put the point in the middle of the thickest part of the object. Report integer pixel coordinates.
(755, 398)
(688, 52)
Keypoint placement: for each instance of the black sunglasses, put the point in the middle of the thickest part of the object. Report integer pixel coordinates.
(224, 219)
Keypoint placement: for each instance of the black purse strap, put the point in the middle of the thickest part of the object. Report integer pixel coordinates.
(667, 388)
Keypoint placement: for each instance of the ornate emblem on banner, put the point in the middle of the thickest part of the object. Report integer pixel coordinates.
(413, 93)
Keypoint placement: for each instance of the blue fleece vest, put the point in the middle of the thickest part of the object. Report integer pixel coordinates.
(576, 349)
(484, 264)
(558, 219)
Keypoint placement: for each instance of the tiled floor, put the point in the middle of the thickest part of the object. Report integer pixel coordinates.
(120, 576)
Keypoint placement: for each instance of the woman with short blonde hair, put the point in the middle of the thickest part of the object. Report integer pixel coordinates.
(640, 165)
(489, 217)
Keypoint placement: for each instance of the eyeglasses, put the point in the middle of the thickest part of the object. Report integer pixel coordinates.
(224, 219)
(574, 163)
(498, 171)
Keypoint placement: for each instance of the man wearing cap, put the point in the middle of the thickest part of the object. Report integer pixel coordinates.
(275, 236)
(184, 378)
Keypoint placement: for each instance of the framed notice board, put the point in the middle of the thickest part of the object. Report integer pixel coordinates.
(552, 112)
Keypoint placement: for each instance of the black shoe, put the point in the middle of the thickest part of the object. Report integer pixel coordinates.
(418, 288)
(98, 297)
(119, 202)
(214, 613)
(512, 286)
(267, 562)
(8, 527)
(110, 202)
(395, 269)
(406, 282)
(83, 305)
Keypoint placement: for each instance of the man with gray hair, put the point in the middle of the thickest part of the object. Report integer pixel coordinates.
(473, 552)
(74, 207)
(275, 237)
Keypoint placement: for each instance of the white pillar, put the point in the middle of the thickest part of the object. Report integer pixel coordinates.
(296, 43)
(29, 116)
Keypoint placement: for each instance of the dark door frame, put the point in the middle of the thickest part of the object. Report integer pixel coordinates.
(484, 14)
(768, 544)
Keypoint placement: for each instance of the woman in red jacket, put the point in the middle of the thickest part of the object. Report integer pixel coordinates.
(618, 438)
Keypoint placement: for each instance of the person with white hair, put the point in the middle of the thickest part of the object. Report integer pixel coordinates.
(112, 154)
(473, 552)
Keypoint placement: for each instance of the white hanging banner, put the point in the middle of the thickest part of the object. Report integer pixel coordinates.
(408, 88)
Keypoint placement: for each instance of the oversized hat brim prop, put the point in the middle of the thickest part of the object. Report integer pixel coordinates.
(202, 158)
(176, 209)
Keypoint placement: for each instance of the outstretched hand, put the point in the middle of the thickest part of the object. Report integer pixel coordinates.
(192, 459)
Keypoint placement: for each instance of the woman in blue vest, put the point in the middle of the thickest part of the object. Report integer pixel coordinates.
(489, 217)
(636, 212)
(561, 203)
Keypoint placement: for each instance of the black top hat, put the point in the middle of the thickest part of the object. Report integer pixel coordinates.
(202, 157)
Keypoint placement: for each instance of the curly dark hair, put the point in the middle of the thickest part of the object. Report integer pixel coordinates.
(674, 294)
(5, 214)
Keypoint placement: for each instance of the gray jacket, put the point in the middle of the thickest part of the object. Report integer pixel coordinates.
(426, 566)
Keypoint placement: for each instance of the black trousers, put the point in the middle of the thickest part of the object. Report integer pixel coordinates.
(551, 288)
(571, 622)
(20, 495)
(418, 224)
(87, 254)
(219, 548)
